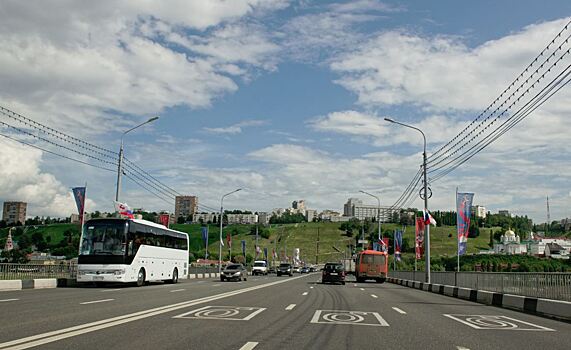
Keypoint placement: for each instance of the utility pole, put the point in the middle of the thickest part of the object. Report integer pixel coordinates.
(317, 248)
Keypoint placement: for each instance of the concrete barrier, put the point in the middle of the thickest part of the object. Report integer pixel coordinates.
(449, 290)
(45, 283)
(513, 301)
(554, 308)
(10, 285)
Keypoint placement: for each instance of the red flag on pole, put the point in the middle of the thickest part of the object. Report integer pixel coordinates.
(229, 240)
(419, 240)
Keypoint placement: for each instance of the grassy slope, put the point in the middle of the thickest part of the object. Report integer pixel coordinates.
(303, 236)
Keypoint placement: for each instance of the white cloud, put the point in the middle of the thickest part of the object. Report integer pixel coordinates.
(22, 180)
(236, 128)
(441, 72)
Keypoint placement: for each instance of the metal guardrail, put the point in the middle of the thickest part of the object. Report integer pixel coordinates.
(10, 271)
(548, 285)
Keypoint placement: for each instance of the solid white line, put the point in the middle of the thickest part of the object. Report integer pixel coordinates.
(362, 288)
(110, 290)
(399, 310)
(304, 293)
(461, 348)
(249, 345)
(96, 301)
(374, 296)
(290, 307)
(177, 290)
(49, 337)
(1, 301)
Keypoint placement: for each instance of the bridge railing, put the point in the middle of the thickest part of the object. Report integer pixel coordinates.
(9, 271)
(548, 285)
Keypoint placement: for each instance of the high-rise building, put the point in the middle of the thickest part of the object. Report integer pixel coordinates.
(185, 206)
(479, 211)
(14, 212)
(355, 208)
(299, 205)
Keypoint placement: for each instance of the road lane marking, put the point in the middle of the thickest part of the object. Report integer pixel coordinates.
(310, 287)
(49, 337)
(216, 285)
(96, 301)
(177, 290)
(5, 300)
(110, 290)
(355, 285)
(290, 307)
(249, 345)
(493, 322)
(374, 296)
(227, 313)
(399, 310)
(461, 348)
(362, 288)
(304, 293)
(356, 318)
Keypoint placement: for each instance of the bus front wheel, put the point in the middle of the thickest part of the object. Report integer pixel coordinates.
(141, 277)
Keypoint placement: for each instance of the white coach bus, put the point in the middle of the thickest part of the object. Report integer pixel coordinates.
(124, 250)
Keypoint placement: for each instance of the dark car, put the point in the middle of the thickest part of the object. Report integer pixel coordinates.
(234, 272)
(333, 273)
(285, 269)
(304, 269)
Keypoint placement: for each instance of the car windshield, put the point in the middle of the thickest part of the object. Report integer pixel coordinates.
(232, 267)
(284, 265)
(103, 239)
(333, 267)
(259, 264)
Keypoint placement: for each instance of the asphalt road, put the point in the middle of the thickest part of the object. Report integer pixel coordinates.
(265, 313)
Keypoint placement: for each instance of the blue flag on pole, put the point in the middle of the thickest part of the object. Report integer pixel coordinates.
(243, 247)
(79, 195)
(266, 253)
(463, 207)
(398, 244)
(204, 230)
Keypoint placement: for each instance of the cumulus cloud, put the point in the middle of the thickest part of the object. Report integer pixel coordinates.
(441, 72)
(22, 180)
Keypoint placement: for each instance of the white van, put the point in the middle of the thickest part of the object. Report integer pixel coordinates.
(260, 268)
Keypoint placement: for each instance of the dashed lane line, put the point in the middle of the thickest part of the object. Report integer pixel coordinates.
(6, 300)
(290, 307)
(177, 290)
(374, 296)
(304, 293)
(110, 290)
(96, 301)
(399, 310)
(249, 345)
(362, 288)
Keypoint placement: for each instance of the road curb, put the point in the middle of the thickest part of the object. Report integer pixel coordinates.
(557, 309)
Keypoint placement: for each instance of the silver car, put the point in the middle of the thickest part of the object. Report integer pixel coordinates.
(234, 272)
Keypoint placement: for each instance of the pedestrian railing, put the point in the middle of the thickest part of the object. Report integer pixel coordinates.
(548, 285)
(10, 271)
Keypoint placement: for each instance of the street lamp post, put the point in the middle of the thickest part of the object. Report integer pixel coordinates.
(221, 219)
(120, 163)
(378, 210)
(426, 227)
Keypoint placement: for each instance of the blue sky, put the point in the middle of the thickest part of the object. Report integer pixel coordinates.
(285, 99)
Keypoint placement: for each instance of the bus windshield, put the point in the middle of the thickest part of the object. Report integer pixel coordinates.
(103, 239)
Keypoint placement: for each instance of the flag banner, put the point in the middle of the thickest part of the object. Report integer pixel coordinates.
(398, 244)
(385, 244)
(164, 218)
(258, 249)
(419, 238)
(428, 219)
(243, 247)
(123, 209)
(79, 195)
(266, 253)
(463, 209)
(204, 230)
(274, 253)
(229, 240)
